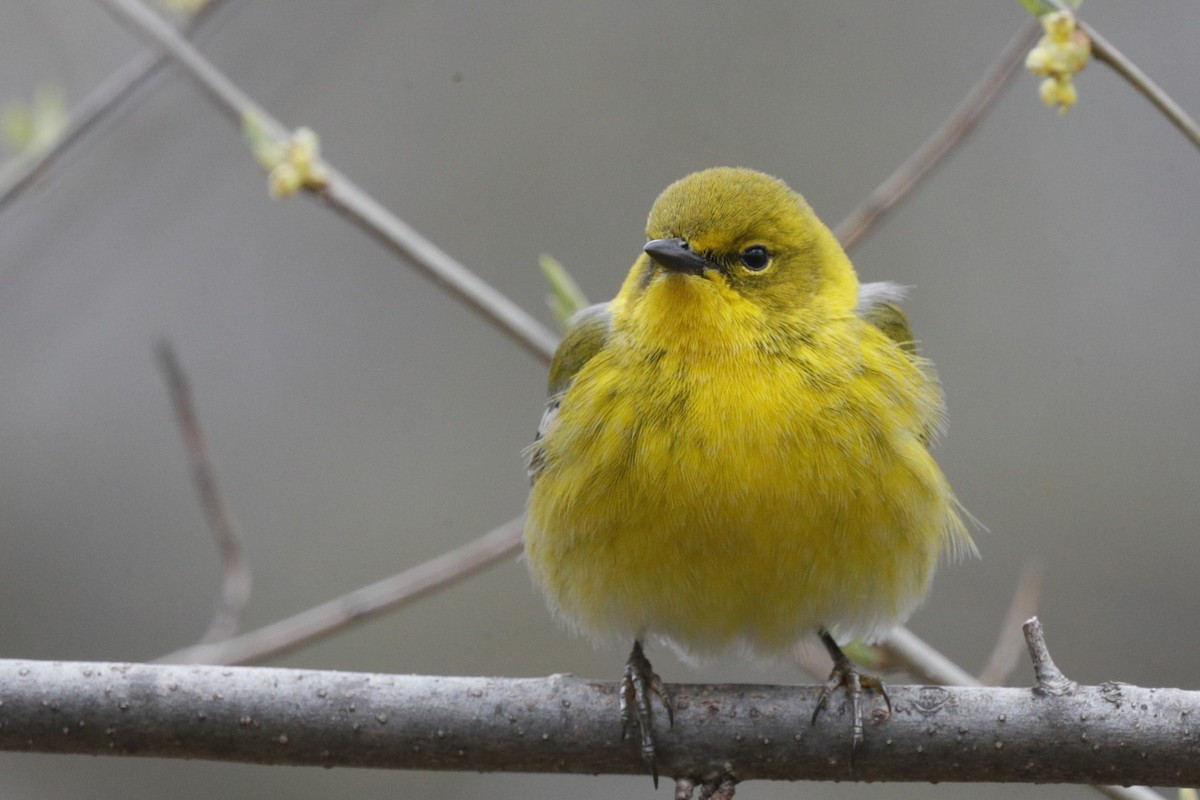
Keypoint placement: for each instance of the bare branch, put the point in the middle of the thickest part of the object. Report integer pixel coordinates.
(369, 215)
(1104, 52)
(359, 605)
(1114, 732)
(1114, 58)
(344, 196)
(949, 135)
(1006, 654)
(99, 104)
(235, 590)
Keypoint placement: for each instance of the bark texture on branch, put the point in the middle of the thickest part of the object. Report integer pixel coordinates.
(1113, 733)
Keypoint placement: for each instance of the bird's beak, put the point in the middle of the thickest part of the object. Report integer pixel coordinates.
(677, 256)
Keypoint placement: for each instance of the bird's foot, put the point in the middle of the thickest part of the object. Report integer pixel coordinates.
(847, 677)
(637, 685)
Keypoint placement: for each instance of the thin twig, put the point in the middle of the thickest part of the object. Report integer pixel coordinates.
(949, 135)
(916, 657)
(99, 104)
(359, 605)
(368, 214)
(341, 194)
(1105, 53)
(235, 587)
(1006, 654)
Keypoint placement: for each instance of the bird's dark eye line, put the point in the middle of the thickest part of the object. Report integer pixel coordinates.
(755, 258)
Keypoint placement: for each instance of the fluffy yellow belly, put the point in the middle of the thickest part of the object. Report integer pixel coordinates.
(728, 510)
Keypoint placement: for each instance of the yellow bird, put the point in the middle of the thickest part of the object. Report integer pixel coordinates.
(735, 450)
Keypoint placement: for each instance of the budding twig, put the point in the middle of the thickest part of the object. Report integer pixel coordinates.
(1105, 52)
(341, 194)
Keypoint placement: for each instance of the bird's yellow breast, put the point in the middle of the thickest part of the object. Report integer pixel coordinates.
(715, 476)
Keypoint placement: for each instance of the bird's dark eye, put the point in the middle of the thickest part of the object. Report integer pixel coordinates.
(755, 258)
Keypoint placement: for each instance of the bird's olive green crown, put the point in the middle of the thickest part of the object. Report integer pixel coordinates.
(751, 231)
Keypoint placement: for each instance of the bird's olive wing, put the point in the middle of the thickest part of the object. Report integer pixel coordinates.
(587, 332)
(878, 304)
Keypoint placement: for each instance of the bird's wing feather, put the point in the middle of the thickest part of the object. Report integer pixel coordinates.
(587, 333)
(879, 304)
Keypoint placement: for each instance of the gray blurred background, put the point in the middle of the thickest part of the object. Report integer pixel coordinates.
(361, 421)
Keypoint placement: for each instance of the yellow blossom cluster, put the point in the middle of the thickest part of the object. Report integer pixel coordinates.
(1063, 51)
(292, 163)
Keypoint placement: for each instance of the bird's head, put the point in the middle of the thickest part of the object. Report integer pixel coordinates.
(743, 236)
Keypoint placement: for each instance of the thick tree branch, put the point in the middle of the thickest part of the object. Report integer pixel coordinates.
(1115, 732)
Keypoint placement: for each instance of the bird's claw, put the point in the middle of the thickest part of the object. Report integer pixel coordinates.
(637, 685)
(846, 676)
